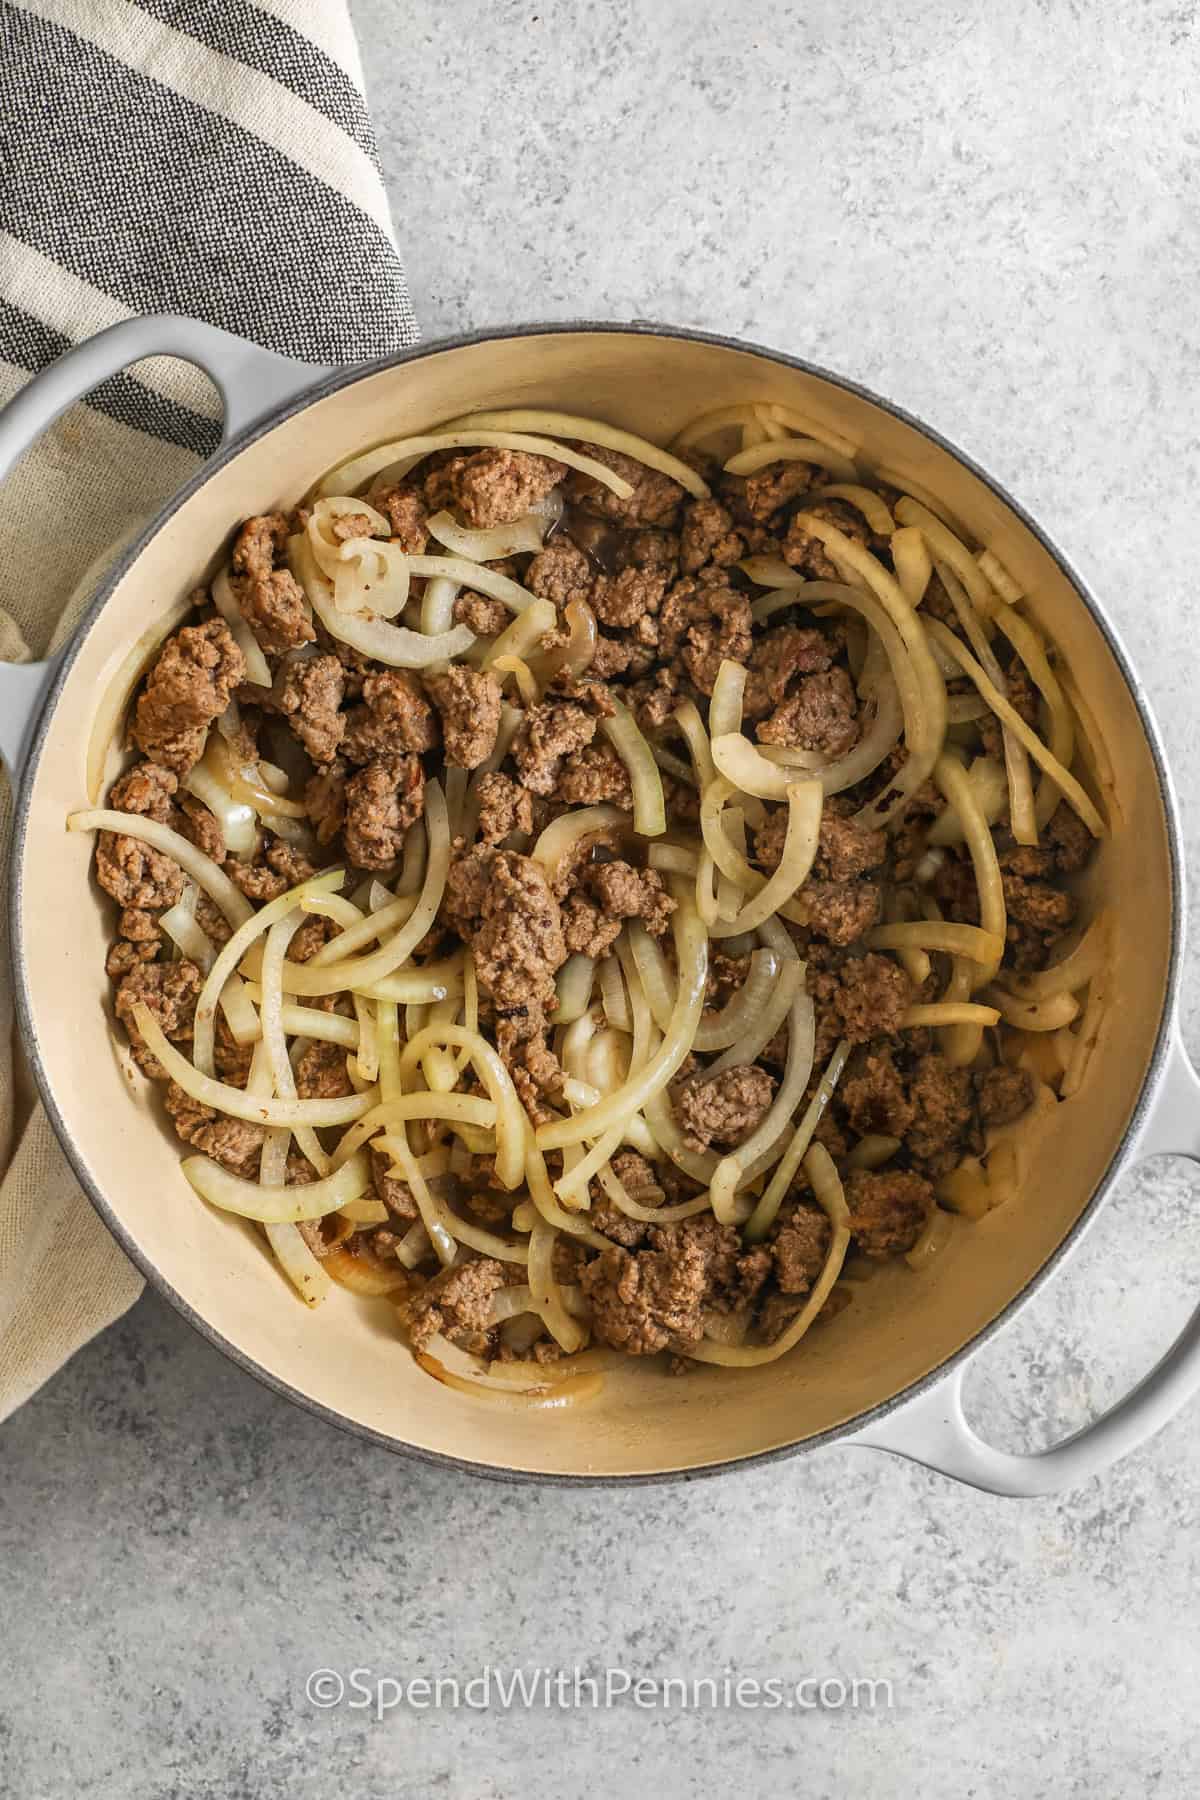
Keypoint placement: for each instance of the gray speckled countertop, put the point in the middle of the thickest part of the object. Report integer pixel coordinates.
(989, 213)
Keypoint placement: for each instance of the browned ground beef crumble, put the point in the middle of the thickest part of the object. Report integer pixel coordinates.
(658, 570)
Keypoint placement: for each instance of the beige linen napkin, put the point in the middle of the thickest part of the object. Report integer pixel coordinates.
(155, 156)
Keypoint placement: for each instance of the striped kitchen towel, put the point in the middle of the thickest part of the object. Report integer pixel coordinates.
(209, 157)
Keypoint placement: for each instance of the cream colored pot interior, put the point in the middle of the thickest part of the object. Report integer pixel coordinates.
(347, 1358)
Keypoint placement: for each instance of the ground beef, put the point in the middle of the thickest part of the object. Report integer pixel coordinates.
(755, 499)
(146, 789)
(201, 827)
(725, 1109)
(872, 1094)
(276, 610)
(535, 1070)
(519, 944)
(942, 1113)
(702, 624)
(395, 1194)
(466, 887)
(799, 1247)
(1069, 840)
(504, 807)
(404, 510)
(845, 849)
(1023, 697)
(259, 545)
(654, 501)
(469, 703)
(624, 892)
(482, 615)
(321, 1073)
(325, 800)
(777, 662)
(276, 868)
(492, 487)
(309, 693)
(189, 686)
(235, 1143)
(707, 536)
(821, 714)
(123, 956)
(840, 912)
(382, 801)
(561, 573)
(311, 937)
(860, 998)
(458, 1303)
(1044, 909)
(593, 774)
(552, 730)
(395, 718)
(138, 925)
(807, 553)
(136, 875)
(626, 600)
(1002, 1095)
(170, 991)
(587, 928)
(888, 1210)
(646, 1301)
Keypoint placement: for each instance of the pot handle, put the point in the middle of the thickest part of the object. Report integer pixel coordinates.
(252, 383)
(933, 1429)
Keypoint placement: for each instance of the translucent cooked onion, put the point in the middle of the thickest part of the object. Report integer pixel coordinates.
(309, 1022)
(521, 673)
(359, 470)
(524, 634)
(938, 934)
(649, 807)
(179, 924)
(747, 769)
(394, 645)
(804, 449)
(1071, 972)
(542, 1195)
(904, 484)
(864, 500)
(688, 719)
(236, 820)
(764, 1214)
(522, 537)
(912, 563)
(573, 985)
(257, 669)
(654, 973)
(362, 973)
(589, 431)
(951, 779)
(1028, 646)
(765, 1020)
(510, 1116)
(691, 950)
(371, 577)
(446, 1230)
(298, 1262)
(1050, 1012)
(567, 1332)
(558, 1389)
(950, 1012)
(278, 1205)
(117, 694)
(232, 952)
(575, 656)
(725, 706)
(364, 1274)
(827, 1187)
(357, 928)
(804, 800)
(475, 576)
(733, 1171)
(948, 548)
(202, 869)
(319, 530)
(239, 1012)
(564, 833)
(437, 605)
(736, 1018)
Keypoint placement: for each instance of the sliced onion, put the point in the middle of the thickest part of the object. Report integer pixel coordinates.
(573, 985)
(523, 635)
(764, 1021)
(326, 545)
(118, 692)
(799, 851)
(256, 1109)
(394, 645)
(734, 1171)
(827, 1186)
(359, 470)
(1070, 972)
(576, 654)
(522, 537)
(179, 924)
(737, 1016)
(225, 601)
(773, 1195)
(805, 449)
(239, 1012)
(237, 821)
(566, 1331)
(510, 1116)
(589, 431)
(872, 507)
(649, 807)
(371, 577)
(938, 934)
(437, 605)
(202, 869)
(278, 1205)
(1048, 1012)
(564, 833)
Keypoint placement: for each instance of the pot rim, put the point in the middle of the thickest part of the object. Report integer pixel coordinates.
(346, 377)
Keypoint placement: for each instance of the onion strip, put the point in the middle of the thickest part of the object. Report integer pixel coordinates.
(588, 431)
(359, 470)
(278, 1205)
(117, 694)
(202, 869)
